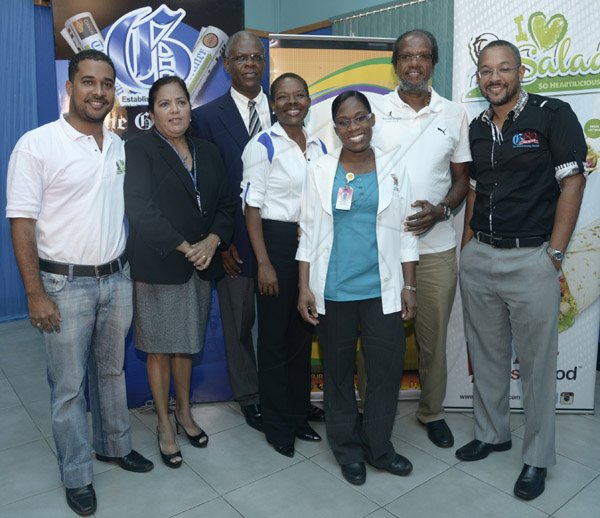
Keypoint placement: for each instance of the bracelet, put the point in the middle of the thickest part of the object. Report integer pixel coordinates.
(409, 288)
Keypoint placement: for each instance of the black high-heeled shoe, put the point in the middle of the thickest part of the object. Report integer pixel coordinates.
(198, 441)
(167, 458)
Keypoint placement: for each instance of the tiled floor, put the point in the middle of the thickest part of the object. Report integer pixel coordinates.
(240, 475)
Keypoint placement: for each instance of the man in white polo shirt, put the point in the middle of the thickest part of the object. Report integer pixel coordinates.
(66, 209)
(430, 135)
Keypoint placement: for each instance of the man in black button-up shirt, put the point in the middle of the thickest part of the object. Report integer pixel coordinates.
(526, 189)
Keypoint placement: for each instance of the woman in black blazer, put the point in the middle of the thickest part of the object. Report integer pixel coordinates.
(180, 211)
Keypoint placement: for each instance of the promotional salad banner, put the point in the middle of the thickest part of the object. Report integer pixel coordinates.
(147, 40)
(562, 59)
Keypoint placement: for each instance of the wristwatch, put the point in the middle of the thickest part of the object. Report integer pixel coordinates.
(557, 255)
(447, 210)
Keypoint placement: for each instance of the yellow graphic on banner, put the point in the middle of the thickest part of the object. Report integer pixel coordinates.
(329, 72)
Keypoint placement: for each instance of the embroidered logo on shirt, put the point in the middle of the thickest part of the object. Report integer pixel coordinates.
(526, 139)
(390, 117)
(442, 130)
(120, 166)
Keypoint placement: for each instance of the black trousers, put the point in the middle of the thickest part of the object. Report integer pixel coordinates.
(284, 341)
(383, 345)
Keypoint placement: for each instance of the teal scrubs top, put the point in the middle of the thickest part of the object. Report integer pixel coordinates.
(353, 272)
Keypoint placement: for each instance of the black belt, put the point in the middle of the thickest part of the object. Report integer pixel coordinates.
(84, 270)
(510, 242)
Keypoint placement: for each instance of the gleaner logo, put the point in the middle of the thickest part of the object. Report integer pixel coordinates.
(146, 45)
(551, 62)
(143, 47)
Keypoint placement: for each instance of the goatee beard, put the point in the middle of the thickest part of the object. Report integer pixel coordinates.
(413, 88)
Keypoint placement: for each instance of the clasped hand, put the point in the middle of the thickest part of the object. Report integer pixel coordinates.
(200, 254)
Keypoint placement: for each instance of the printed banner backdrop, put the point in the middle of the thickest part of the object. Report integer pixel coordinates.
(331, 65)
(562, 59)
(147, 40)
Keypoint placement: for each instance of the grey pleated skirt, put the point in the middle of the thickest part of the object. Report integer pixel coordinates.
(171, 318)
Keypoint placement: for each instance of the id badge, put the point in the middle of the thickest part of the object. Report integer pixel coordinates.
(344, 198)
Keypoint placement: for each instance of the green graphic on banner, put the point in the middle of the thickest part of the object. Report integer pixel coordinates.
(551, 65)
(592, 128)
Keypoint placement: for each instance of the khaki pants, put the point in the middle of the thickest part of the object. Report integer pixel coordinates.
(436, 287)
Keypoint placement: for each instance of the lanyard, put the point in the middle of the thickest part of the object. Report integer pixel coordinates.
(192, 171)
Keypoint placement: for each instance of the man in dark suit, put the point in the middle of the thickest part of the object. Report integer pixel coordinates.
(229, 122)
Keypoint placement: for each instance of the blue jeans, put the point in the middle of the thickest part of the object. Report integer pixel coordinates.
(96, 315)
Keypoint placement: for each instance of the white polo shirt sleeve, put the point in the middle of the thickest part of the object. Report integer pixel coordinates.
(257, 163)
(25, 181)
(462, 152)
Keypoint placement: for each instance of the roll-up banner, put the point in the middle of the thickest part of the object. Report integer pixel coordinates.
(331, 65)
(147, 40)
(562, 59)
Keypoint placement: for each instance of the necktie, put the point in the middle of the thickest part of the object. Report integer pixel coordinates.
(254, 127)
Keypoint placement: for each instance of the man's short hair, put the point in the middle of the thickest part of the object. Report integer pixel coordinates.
(94, 55)
(233, 39)
(502, 43)
(435, 52)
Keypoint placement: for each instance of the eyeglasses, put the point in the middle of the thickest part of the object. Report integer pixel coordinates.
(244, 58)
(421, 58)
(487, 73)
(345, 123)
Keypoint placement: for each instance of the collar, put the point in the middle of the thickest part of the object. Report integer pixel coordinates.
(242, 99)
(278, 131)
(488, 114)
(435, 103)
(75, 134)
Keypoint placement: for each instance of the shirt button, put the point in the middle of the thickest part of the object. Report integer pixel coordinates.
(385, 279)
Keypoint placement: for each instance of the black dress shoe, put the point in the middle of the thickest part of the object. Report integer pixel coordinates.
(477, 450)
(133, 461)
(286, 449)
(355, 473)
(439, 434)
(253, 415)
(400, 466)
(82, 499)
(316, 414)
(531, 482)
(306, 433)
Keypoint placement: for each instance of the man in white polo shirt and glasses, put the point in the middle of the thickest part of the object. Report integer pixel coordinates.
(66, 209)
(430, 135)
